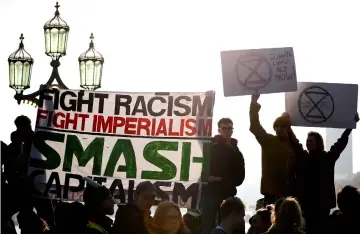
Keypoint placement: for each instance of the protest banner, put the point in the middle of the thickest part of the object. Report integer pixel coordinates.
(266, 70)
(327, 105)
(119, 140)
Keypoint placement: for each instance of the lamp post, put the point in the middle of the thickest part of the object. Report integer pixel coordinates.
(56, 33)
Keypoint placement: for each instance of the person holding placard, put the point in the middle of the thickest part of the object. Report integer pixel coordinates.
(315, 175)
(278, 160)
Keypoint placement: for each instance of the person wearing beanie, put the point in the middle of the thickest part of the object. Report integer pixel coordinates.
(226, 172)
(278, 159)
(98, 204)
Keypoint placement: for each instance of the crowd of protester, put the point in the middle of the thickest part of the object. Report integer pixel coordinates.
(297, 184)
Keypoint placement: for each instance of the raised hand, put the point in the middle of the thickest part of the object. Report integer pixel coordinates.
(285, 114)
(255, 97)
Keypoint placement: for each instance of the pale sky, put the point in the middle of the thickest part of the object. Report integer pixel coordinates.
(175, 46)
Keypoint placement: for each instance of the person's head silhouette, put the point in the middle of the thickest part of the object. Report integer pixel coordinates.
(22, 123)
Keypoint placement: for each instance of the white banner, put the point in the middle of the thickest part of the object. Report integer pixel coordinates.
(120, 139)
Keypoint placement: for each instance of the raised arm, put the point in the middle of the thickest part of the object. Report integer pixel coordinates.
(341, 143)
(295, 143)
(255, 126)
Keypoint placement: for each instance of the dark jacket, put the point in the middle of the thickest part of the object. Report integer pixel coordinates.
(226, 162)
(98, 225)
(342, 224)
(130, 220)
(277, 159)
(315, 173)
(274, 230)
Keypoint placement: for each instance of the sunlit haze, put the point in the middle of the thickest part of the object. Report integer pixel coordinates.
(175, 46)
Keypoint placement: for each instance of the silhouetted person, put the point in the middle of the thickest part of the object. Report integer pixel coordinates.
(232, 213)
(192, 220)
(261, 221)
(227, 171)
(70, 218)
(134, 217)
(287, 219)
(168, 220)
(98, 203)
(7, 195)
(17, 173)
(19, 151)
(31, 223)
(277, 157)
(315, 176)
(346, 221)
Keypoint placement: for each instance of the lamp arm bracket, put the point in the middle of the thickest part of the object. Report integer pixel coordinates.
(32, 98)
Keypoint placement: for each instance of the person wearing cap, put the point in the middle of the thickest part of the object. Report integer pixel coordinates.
(134, 217)
(98, 204)
(278, 159)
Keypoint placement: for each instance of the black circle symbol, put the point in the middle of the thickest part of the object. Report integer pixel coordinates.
(316, 105)
(253, 72)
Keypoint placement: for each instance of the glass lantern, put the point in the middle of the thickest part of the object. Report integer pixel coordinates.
(20, 65)
(91, 65)
(56, 36)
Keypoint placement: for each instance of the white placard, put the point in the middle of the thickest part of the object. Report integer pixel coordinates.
(266, 70)
(327, 105)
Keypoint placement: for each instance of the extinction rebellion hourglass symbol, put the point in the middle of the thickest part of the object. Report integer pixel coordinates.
(259, 72)
(316, 105)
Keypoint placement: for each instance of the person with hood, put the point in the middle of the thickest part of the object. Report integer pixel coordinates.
(134, 217)
(98, 204)
(315, 175)
(278, 160)
(226, 172)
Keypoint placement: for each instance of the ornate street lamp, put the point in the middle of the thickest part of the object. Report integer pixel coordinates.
(56, 33)
(91, 65)
(20, 65)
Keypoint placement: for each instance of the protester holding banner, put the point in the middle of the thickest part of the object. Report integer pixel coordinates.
(227, 171)
(315, 176)
(277, 156)
(20, 147)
